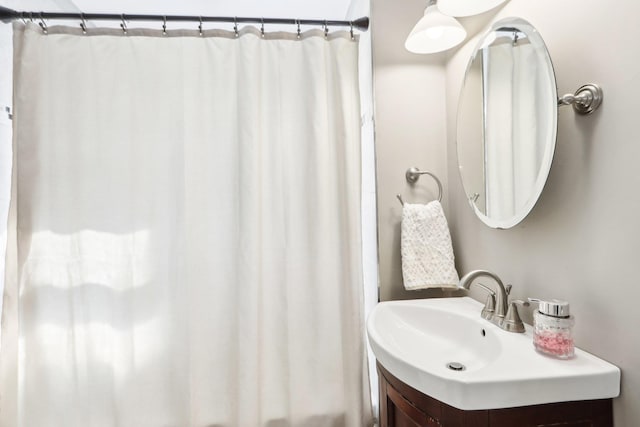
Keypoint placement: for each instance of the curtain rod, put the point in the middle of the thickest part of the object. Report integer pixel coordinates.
(7, 15)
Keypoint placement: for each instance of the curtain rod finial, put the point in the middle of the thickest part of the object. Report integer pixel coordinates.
(361, 24)
(7, 15)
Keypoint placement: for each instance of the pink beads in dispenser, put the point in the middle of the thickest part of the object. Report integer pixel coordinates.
(553, 328)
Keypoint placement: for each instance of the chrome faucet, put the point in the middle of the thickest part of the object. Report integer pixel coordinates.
(501, 295)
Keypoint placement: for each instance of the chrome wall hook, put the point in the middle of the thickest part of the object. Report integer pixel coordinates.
(585, 100)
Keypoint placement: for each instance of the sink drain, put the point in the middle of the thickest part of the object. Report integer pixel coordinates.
(455, 366)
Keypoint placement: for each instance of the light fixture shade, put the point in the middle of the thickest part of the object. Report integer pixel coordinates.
(466, 7)
(435, 32)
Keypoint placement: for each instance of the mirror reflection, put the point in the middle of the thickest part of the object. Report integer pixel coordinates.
(507, 120)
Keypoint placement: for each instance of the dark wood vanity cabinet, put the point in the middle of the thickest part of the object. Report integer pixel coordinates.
(403, 406)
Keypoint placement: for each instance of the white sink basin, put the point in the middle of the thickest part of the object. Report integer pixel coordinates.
(416, 339)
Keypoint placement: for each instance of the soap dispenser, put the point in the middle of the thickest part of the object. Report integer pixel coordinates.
(553, 328)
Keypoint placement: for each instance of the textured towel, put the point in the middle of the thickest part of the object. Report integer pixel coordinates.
(427, 253)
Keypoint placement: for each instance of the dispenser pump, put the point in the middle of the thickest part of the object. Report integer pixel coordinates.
(554, 307)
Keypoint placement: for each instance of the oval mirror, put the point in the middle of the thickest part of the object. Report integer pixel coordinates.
(507, 121)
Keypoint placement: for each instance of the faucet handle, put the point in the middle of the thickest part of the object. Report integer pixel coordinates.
(489, 306)
(512, 321)
(486, 288)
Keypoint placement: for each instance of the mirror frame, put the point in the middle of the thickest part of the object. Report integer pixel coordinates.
(549, 150)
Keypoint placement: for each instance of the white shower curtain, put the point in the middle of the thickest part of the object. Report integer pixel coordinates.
(512, 95)
(184, 239)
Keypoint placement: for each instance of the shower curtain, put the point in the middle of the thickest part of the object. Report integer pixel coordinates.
(511, 154)
(184, 238)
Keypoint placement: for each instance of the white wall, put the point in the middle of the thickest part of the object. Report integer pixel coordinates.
(410, 131)
(582, 240)
(329, 9)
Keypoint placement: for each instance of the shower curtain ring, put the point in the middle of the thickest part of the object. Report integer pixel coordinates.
(43, 25)
(200, 26)
(351, 31)
(326, 30)
(262, 27)
(298, 27)
(83, 24)
(235, 25)
(123, 25)
(164, 25)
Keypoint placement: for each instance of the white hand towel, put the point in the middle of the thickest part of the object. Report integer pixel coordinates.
(427, 253)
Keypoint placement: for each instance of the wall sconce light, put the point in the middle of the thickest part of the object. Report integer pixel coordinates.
(461, 8)
(435, 32)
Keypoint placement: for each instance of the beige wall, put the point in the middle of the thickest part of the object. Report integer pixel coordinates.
(410, 130)
(582, 240)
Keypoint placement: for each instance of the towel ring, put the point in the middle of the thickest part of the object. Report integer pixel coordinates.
(413, 175)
